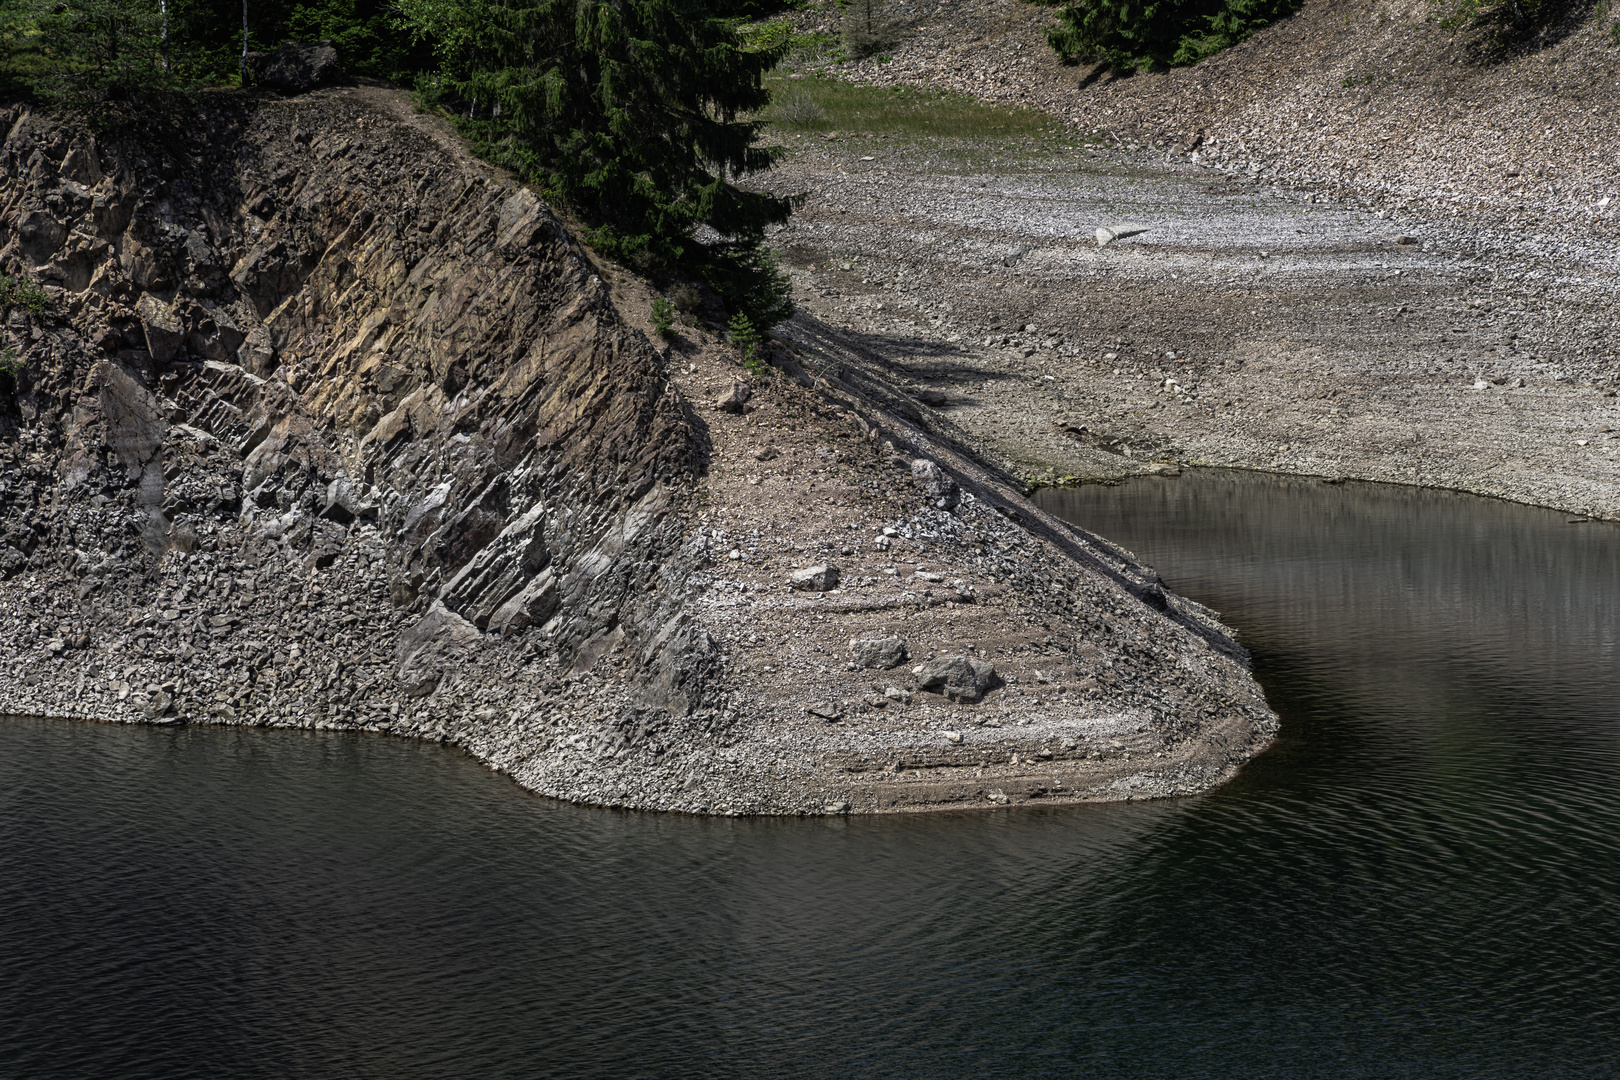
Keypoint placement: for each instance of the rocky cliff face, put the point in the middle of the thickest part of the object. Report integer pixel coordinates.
(323, 424)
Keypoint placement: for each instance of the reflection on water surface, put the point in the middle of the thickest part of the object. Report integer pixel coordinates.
(1419, 880)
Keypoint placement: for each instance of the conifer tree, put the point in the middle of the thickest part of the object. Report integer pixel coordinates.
(635, 113)
(1131, 34)
(95, 50)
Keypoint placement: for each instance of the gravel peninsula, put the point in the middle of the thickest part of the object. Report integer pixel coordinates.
(322, 423)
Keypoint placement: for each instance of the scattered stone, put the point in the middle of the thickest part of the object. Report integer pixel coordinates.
(766, 453)
(419, 684)
(883, 653)
(894, 693)
(815, 578)
(959, 678)
(1107, 234)
(953, 736)
(937, 483)
(733, 400)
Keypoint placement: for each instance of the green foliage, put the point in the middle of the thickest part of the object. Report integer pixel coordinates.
(633, 113)
(687, 298)
(91, 50)
(23, 293)
(1132, 35)
(797, 109)
(900, 110)
(366, 32)
(1501, 25)
(662, 317)
(744, 337)
(96, 50)
(11, 364)
(752, 282)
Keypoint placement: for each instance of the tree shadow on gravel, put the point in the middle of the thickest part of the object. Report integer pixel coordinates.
(917, 358)
(1512, 29)
(857, 361)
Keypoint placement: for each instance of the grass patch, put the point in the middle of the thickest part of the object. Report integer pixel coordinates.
(821, 104)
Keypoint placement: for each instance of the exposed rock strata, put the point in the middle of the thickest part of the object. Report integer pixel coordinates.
(325, 425)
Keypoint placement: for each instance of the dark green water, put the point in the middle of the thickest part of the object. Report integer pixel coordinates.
(1421, 880)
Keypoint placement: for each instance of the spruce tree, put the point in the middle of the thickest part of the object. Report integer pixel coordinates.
(97, 50)
(634, 113)
(1131, 34)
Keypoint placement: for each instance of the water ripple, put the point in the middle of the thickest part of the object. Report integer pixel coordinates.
(1419, 880)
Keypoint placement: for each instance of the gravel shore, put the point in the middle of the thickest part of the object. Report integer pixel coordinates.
(329, 438)
(1265, 315)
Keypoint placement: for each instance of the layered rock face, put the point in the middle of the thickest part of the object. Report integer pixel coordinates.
(320, 423)
(298, 347)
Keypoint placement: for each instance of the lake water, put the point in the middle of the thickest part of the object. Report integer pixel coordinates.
(1422, 879)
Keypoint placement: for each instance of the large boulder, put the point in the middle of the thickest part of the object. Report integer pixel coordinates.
(815, 578)
(297, 66)
(881, 652)
(960, 678)
(733, 400)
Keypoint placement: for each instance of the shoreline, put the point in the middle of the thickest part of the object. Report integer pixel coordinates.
(1249, 326)
(397, 456)
(1434, 246)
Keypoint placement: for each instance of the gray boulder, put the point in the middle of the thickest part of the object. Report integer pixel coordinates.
(815, 578)
(297, 66)
(936, 482)
(883, 652)
(733, 400)
(960, 678)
